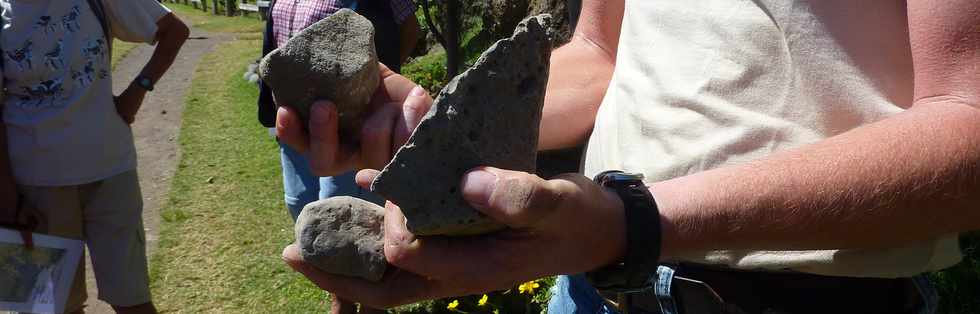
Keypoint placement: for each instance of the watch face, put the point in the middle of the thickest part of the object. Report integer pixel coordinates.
(625, 176)
(616, 175)
(145, 83)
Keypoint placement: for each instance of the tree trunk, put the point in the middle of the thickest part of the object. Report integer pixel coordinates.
(230, 7)
(214, 6)
(453, 57)
(204, 5)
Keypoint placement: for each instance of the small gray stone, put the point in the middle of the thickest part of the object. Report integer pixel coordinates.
(343, 235)
(486, 116)
(334, 60)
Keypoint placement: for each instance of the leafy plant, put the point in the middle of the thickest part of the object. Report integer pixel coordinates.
(527, 297)
(959, 286)
(428, 70)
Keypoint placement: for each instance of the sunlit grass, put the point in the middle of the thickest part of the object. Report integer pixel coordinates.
(211, 23)
(225, 224)
(121, 49)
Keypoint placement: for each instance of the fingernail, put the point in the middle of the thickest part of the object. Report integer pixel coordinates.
(288, 252)
(320, 113)
(478, 186)
(282, 122)
(417, 91)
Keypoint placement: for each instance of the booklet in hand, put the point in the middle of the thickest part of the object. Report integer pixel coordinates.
(38, 279)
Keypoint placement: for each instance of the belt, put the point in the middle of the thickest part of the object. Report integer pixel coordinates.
(708, 289)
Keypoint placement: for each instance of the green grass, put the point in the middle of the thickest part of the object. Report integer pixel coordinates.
(196, 18)
(120, 49)
(225, 224)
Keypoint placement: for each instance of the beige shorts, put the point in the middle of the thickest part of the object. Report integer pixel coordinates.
(107, 215)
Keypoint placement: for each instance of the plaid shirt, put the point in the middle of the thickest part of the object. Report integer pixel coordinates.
(291, 16)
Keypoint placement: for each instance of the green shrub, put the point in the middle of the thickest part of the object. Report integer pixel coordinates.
(959, 286)
(428, 70)
(528, 297)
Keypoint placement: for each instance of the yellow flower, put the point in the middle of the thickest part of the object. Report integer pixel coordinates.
(483, 300)
(528, 287)
(452, 305)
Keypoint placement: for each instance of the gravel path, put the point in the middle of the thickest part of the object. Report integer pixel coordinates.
(156, 129)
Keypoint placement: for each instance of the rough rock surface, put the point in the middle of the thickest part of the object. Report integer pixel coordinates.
(486, 116)
(343, 235)
(334, 59)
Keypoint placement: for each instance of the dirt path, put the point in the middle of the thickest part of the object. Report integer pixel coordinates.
(155, 131)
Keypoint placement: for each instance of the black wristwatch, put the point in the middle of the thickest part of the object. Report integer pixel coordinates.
(638, 269)
(144, 82)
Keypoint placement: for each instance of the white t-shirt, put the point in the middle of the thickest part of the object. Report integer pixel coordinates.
(706, 83)
(62, 125)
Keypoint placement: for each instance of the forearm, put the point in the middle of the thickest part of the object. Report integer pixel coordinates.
(409, 36)
(910, 177)
(579, 74)
(170, 38)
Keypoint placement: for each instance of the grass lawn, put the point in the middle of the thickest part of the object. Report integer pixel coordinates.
(225, 224)
(120, 49)
(247, 27)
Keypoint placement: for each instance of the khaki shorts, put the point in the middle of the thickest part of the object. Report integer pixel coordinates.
(107, 215)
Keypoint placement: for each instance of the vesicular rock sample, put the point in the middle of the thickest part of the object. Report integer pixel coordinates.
(334, 60)
(343, 235)
(486, 116)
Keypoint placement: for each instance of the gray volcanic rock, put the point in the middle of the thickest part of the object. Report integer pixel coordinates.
(486, 116)
(334, 59)
(343, 235)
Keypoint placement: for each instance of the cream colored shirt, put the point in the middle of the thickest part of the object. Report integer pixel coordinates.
(61, 122)
(706, 83)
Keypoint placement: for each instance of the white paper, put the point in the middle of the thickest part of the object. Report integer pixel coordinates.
(36, 280)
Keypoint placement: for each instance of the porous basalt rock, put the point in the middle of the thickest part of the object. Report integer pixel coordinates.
(343, 235)
(333, 59)
(486, 116)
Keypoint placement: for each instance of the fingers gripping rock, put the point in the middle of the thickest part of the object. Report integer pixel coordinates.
(334, 59)
(343, 235)
(486, 116)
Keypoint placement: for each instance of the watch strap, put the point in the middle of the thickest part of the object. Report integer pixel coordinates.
(638, 269)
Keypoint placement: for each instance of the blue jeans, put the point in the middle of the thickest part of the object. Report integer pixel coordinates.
(302, 187)
(573, 294)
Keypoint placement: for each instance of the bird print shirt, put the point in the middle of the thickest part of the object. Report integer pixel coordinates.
(58, 109)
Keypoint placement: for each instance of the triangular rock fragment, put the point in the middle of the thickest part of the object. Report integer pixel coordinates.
(486, 116)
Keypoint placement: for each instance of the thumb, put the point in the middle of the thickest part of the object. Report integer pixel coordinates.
(516, 199)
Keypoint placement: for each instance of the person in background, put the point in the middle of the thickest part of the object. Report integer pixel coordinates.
(396, 33)
(67, 157)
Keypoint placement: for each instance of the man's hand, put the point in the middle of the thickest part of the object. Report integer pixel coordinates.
(128, 103)
(396, 109)
(561, 226)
